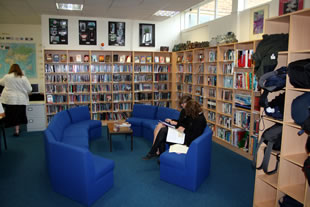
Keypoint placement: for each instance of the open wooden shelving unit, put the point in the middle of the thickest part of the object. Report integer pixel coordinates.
(289, 179)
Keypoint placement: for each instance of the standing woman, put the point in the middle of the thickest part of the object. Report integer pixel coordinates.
(15, 97)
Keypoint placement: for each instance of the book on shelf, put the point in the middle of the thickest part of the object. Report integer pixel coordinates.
(167, 59)
(107, 58)
(161, 59)
(149, 59)
(94, 58)
(115, 58)
(63, 58)
(101, 58)
(180, 59)
(71, 59)
(142, 59)
(122, 58)
(78, 58)
(137, 60)
(56, 58)
(48, 57)
(156, 59)
(128, 59)
(86, 58)
(49, 98)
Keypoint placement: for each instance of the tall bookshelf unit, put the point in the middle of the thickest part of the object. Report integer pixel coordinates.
(109, 82)
(209, 76)
(289, 179)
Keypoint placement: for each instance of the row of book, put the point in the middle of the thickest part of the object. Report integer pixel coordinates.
(211, 104)
(242, 119)
(56, 88)
(161, 86)
(162, 95)
(223, 134)
(53, 109)
(79, 88)
(227, 108)
(56, 78)
(211, 116)
(106, 116)
(224, 121)
(243, 80)
(161, 77)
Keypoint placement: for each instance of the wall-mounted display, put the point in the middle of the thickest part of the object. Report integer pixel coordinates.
(117, 33)
(258, 16)
(87, 32)
(58, 30)
(288, 6)
(147, 35)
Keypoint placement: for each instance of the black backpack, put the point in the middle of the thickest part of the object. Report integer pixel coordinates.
(287, 201)
(271, 82)
(300, 111)
(299, 73)
(272, 138)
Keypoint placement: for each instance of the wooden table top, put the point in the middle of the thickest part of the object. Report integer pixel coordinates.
(122, 130)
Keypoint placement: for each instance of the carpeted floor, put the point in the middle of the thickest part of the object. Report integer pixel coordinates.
(24, 180)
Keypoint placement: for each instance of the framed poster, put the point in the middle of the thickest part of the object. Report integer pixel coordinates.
(58, 31)
(147, 35)
(117, 33)
(288, 6)
(87, 32)
(258, 16)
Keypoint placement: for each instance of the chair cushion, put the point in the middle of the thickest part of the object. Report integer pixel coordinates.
(136, 121)
(150, 124)
(173, 160)
(144, 111)
(80, 113)
(102, 166)
(164, 113)
(58, 124)
(79, 141)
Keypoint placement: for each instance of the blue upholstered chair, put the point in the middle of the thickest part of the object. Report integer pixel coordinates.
(191, 169)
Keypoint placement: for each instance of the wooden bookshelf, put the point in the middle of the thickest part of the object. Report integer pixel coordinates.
(109, 82)
(289, 179)
(208, 75)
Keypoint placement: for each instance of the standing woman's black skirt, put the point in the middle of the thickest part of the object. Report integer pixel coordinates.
(14, 115)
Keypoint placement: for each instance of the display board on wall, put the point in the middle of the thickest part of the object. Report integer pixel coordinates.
(58, 31)
(23, 54)
(288, 6)
(147, 35)
(117, 33)
(87, 32)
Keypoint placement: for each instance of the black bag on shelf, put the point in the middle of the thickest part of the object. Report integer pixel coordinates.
(299, 73)
(275, 108)
(300, 111)
(272, 138)
(287, 201)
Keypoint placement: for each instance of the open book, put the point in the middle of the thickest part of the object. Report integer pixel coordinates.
(175, 136)
(178, 148)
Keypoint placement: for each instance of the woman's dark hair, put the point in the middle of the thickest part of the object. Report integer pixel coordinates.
(184, 99)
(193, 109)
(16, 70)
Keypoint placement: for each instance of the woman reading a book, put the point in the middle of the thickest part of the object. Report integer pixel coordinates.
(182, 121)
(14, 97)
(195, 125)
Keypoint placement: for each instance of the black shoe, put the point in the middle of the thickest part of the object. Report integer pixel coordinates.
(149, 156)
(16, 134)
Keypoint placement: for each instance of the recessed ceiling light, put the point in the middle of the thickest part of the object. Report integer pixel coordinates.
(71, 7)
(164, 13)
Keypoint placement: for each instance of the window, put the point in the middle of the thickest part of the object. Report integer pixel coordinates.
(207, 12)
(224, 8)
(253, 3)
(191, 18)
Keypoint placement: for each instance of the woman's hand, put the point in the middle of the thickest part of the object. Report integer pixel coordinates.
(181, 129)
(168, 121)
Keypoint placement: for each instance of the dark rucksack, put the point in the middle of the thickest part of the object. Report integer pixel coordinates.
(287, 201)
(272, 138)
(271, 82)
(299, 73)
(300, 111)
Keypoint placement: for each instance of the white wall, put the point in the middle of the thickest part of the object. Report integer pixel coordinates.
(34, 31)
(166, 34)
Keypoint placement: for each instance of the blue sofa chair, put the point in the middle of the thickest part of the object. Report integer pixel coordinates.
(145, 118)
(73, 170)
(191, 169)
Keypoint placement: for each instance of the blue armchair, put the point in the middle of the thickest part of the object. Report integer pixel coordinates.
(191, 169)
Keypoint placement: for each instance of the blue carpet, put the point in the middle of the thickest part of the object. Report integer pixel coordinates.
(24, 180)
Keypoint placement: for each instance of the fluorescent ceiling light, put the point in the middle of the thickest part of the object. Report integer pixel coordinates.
(164, 13)
(72, 7)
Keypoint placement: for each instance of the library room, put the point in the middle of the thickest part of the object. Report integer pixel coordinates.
(124, 102)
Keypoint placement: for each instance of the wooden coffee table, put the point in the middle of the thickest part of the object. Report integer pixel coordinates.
(122, 130)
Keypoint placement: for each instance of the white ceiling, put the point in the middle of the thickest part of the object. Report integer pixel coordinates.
(29, 11)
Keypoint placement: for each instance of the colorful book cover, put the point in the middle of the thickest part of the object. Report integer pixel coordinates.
(149, 59)
(167, 59)
(142, 59)
(122, 58)
(161, 59)
(49, 57)
(94, 58)
(78, 58)
(56, 58)
(156, 59)
(107, 58)
(101, 58)
(63, 58)
(86, 58)
(128, 59)
(137, 59)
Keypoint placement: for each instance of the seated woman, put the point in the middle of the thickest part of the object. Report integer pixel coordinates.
(182, 121)
(195, 126)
